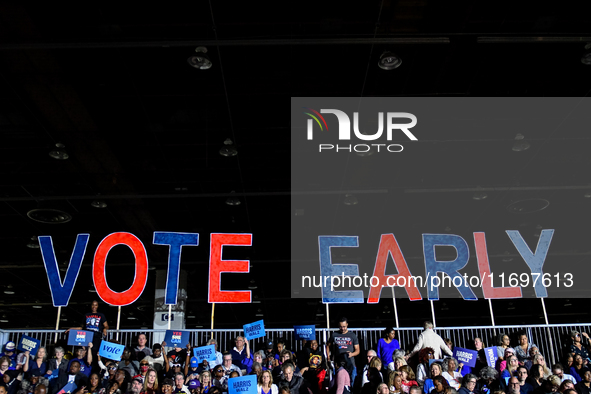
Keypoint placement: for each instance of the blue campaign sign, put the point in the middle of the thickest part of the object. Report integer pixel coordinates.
(254, 330)
(29, 344)
(491, 356)
(205, 353)
(177, 338)
(466, 356)
(79, 337)
(243, 385)
(305, 332)
(68, 388)
(112, 351)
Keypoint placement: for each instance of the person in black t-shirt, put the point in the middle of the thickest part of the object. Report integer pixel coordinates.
(96, 322)
(315, 371)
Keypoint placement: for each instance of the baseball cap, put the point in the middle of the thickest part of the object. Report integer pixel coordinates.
(194, 362)
(193, 384)
(270, 345)
(9, 347)
(138, 379)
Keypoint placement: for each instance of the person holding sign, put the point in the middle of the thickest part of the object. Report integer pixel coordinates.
(241, 354)
(97, 322)
(74, 375)
(39, 363)
(84, 359)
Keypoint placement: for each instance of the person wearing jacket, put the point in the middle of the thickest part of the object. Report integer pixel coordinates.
(429, 338)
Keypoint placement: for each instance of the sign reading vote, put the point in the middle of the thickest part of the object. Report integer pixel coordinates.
(79, 337)
(112, 351)
(466, 356)
(491, 356)
(29, 344)
(176, 338)
(243, 385)
(305, 332)
(254, 330)
(205, 353)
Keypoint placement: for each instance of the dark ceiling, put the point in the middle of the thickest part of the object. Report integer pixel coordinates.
(143, 131)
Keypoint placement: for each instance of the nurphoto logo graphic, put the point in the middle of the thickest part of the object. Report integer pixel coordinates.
(344, 133)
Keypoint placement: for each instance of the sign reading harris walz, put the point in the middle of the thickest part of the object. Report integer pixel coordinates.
(61, 291)
(336, 275)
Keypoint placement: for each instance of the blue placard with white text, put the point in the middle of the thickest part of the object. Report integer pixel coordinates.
(177, 338)
(68, 388)
(112, 351)
(305, 332)
(254, 330)
(243, 385)
(466, 356)
(205, 353)
(29, 344)
(79, 337)
(491, 356)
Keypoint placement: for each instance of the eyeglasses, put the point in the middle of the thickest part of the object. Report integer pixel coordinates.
(4, 365)
(219, 370)
(112, 368)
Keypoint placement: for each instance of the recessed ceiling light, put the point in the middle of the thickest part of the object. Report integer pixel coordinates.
(10, 292)
(49, 216)
(190, 317)
(389, 61)
(3, 321)
(350, 200)
(131, 318)
(37, 306)
(92, 290)
(232, 200)
(200, 60)
(228, 149)
(98, 204)
(520, 143)
(252, 285)
(528, 205)
(33, 243)
(60, 152)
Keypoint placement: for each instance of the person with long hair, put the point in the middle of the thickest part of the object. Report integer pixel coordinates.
(376, 363)
(408, 378)
(206, 382)
(423, 370)
(151, 382)
(512, 365)
(435, 370)
(536, 376)
(398, 362)
(395, 382)
(578, 369)
(374, 378)
(577, 344)
(37, 363)
(387, 345)
(539, 359)
(265, 384)
(440, 385)
(94, 385)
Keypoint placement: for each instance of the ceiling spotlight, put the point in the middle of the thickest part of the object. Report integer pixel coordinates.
(350, 200)
(98, 204)
(49, 216)
(60, 152)
(520, 143)
(252, 285)
(586, 58)
(479, 196)
(229, 149)
(232, 200)
(33, 243)
(200, 60)
(389, 61)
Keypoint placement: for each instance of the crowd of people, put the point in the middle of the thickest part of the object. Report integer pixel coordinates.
(330, 368)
